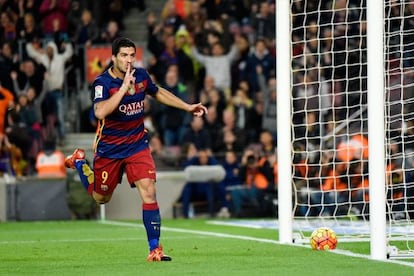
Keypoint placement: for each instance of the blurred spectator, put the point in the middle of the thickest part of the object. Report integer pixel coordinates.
(399, 194)
(183, 46)
(259, 62)
(8, 30)
(28, 30)
(210, 95)
(257, 177)
(233, 8)
(360, 187)
(170, 48)
(110, 33)
(173, 121)
(156, 69)
(29, 120)
(308, 133)
(194, 191)
(232, 178)
(197, 134)
(170, 15)
(218, 65)
(115, 12)
(19, 136)
(264, 22)
(59, 36)
(74, 15)
(156, 34)
(210, 36)
(55, 65)
(248, 31)
(182, 7)
(195, 19)
(50, 162)
(306, 94)
(228, 141)
(211, 8)
(32, 112)
(171, 55)
(213, 124)
(8, 62)
(30, 6)
(54, 16)
(87, 31)
(188, 151)
(230, 135)
(269, 94)
(10, 7)
(334, 192)
(267, 143)
(29, 74)
(214, 98)
(239, 66)
(245, 114)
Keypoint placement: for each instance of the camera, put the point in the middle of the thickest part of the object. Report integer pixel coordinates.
(251, 159)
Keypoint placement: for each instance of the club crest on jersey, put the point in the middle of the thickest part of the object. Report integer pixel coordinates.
(131, 90)
(98, 91)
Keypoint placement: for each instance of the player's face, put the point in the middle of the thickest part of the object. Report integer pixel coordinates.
(125, 57)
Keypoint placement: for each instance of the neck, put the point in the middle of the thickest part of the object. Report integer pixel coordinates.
(117, 73)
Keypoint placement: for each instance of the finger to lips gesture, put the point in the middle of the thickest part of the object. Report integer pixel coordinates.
(129, 79)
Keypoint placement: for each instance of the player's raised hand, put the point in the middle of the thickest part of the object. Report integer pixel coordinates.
(198, 109)
(129, 79)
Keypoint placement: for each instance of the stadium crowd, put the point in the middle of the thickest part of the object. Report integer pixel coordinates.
(223, 54)
(220, 53)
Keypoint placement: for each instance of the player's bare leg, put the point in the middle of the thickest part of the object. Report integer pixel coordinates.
(101, 199)
(151, 218)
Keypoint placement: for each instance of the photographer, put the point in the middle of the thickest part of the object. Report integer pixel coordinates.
(257, 176)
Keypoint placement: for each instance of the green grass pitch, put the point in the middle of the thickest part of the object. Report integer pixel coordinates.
(196, 246)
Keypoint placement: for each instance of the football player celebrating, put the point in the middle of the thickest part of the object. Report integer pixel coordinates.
(121, 142)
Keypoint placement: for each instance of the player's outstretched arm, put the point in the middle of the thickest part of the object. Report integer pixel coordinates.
(167, 98)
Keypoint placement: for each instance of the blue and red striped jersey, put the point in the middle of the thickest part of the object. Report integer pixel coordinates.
(122, 133)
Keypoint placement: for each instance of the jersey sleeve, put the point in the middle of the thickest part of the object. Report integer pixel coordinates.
(99, 91)
(151, 87)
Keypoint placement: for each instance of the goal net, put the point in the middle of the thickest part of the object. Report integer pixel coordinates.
(329, 119)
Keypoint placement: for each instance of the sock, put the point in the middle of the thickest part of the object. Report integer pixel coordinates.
(86, 175)
(152, 222)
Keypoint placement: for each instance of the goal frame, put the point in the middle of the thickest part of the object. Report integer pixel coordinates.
(375, 51)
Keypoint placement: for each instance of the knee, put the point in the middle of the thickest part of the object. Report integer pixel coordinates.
(101, 199)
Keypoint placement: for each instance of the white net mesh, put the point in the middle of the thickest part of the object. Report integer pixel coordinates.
(329, 116)
(399, 79)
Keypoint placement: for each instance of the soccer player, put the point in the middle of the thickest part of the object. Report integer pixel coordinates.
(121, 142)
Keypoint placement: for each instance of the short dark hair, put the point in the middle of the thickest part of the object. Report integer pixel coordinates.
(120, 43)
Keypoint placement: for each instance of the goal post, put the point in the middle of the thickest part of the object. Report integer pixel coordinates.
(345, 106)
(283, 61)
(376, 127)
